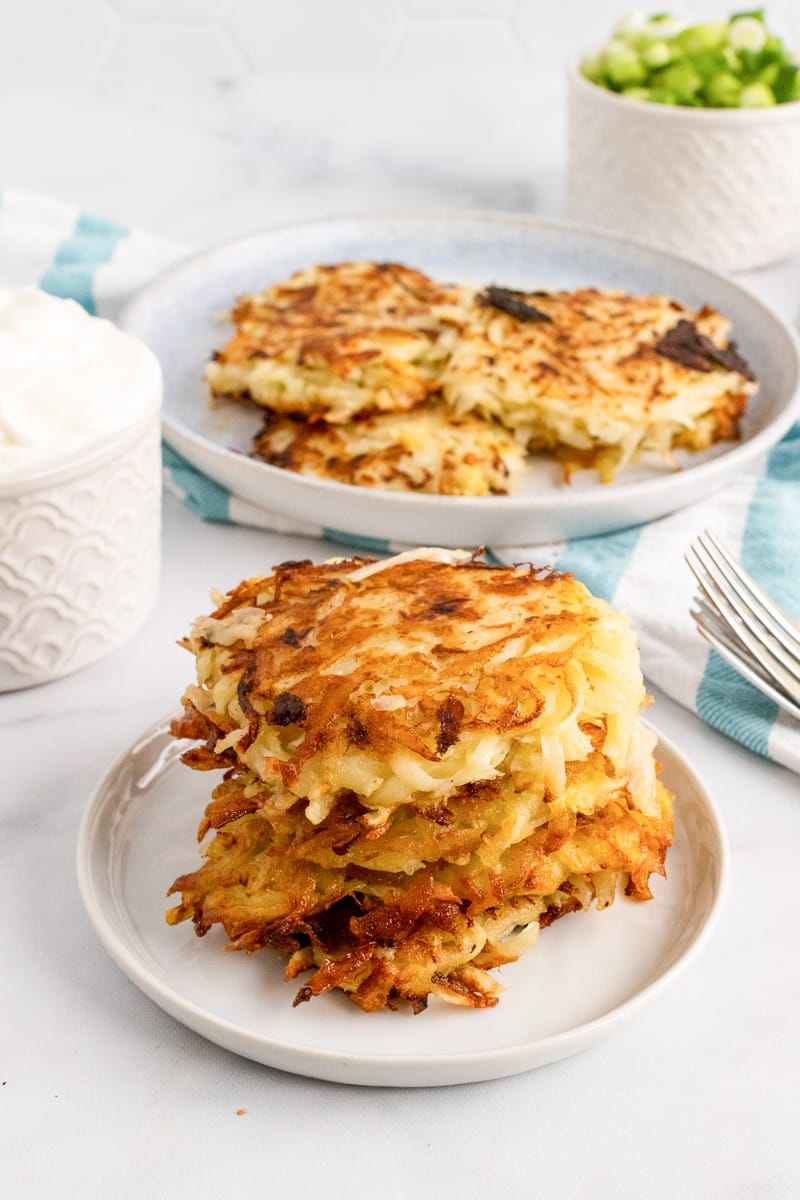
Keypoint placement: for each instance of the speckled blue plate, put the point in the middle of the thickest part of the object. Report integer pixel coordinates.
(178, 316)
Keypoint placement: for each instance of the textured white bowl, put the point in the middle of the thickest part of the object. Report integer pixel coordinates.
(79, 553)
(718, 185)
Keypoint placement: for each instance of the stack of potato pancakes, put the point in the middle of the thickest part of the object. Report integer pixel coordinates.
(377, 375)
(426, 759)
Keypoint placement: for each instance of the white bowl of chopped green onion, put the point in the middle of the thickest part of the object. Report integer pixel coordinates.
(689, 136)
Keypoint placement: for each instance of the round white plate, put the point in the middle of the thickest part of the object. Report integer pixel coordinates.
(587, 974)
(178, 316)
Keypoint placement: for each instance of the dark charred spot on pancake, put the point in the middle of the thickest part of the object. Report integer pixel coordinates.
(512, 303)
(243, 689)
(439, 813)
(687, 346)
(215, 356)
(291, 637)
(288, 709)
(201, 758)
(450, 715)
(732, 360)
(341, 848)
(294, 562)
(447, 605)
(326, 930)
(357, 732)
(426, 609)
(572, 904)
(284, 936)
(348, 806)
(258, 353)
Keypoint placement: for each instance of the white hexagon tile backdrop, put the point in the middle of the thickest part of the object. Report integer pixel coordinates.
(200, 119)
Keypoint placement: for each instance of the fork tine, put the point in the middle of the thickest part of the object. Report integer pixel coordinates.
(746, 625)
(743, 668)
(703, 615)
(738, 619)
(779, 624)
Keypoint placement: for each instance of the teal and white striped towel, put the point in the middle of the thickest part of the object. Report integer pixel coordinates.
(101, 264)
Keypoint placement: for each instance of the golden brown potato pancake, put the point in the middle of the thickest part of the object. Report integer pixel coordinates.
(339, 340)
(599, 377)
(427, 759)
(429, 449)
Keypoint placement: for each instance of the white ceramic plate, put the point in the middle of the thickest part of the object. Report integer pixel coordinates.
(588, 973)
(178, 316)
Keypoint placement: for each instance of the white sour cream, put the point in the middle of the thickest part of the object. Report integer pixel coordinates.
(66, 379)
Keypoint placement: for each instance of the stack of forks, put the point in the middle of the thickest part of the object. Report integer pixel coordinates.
(744, 625)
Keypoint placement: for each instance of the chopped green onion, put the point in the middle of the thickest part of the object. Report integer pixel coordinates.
(662, 95)
(709, 62)
(723, 90)
(702, 37)
(713, 64)
(732, 60)
(681, 79)
(785, 87)
(756, 95)
(624, 68)
(657, 54)
(747, 33)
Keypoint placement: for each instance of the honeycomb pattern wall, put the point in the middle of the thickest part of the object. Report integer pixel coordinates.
(109, 43)
(199, 119)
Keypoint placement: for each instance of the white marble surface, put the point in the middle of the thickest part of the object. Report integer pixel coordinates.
(200, 119)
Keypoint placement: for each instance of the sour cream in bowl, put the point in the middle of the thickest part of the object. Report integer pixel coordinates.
(79, 486)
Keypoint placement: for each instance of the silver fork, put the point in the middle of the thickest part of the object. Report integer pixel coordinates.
(744, 625)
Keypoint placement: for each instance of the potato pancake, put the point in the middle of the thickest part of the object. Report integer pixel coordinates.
(339, 340)
(427, 759)
(428, 906)
(599, 377)
(429, 449)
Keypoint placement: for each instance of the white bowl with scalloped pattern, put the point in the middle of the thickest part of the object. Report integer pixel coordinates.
(80, 552)
(718, 185)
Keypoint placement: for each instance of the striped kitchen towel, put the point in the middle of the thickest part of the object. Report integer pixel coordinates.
(102, 264)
